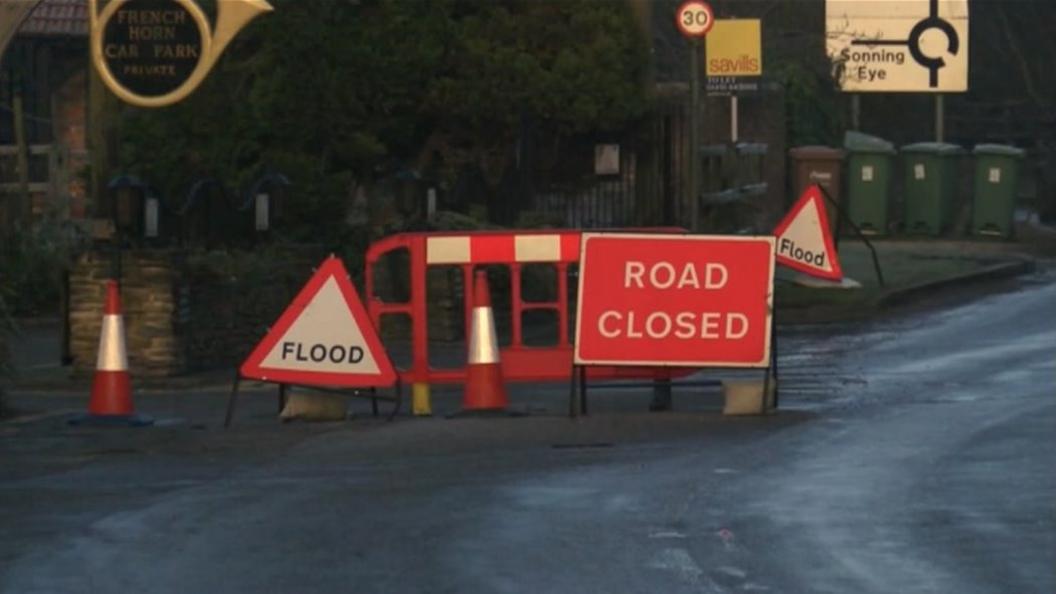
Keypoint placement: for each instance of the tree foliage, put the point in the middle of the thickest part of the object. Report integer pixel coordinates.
(338, 91)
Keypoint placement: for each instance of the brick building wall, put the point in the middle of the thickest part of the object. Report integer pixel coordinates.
(70, 113)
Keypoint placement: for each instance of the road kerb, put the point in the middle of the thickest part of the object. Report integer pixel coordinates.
(995, 272)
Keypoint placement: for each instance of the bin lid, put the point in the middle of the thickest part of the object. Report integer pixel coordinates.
(999, 149)
(933, 148)
(816, 152)
(858, 142)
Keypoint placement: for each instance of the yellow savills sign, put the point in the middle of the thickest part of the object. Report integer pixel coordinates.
(734, 48)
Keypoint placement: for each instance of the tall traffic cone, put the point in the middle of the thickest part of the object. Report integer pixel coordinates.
(484, 390)
(111, 399)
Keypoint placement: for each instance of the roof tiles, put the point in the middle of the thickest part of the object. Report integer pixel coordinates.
(57, 18)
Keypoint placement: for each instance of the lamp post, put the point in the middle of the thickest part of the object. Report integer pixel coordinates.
(694, 18)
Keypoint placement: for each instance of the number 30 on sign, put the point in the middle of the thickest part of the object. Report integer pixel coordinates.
(694, 18)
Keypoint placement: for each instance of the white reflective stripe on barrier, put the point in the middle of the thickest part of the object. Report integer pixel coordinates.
(483, 325)
(537, 248)
(112, 356)
(467, 249)
(447, 250)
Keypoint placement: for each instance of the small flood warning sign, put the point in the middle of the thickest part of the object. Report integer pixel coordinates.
(323, 338)
(804, 238)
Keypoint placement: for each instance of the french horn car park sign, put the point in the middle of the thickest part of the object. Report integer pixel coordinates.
(674, 300)
(154, 53)
(324, 338)
(804, 238)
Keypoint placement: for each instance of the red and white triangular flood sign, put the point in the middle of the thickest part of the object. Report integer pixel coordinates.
(804, 238)
(324, 338)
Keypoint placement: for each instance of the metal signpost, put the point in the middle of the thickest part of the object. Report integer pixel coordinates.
(694, 19)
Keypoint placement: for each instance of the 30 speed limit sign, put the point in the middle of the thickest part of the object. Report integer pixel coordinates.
(694, 18)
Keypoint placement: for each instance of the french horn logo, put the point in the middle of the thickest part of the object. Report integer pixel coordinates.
(154, 53)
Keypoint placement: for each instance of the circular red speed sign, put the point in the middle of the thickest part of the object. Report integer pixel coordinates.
(694, 18)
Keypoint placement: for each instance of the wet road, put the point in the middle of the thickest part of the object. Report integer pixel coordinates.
(912, 455)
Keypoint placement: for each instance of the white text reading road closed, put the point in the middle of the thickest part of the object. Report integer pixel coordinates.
(686, 325)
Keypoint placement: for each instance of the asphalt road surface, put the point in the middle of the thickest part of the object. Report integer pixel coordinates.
(914, 454)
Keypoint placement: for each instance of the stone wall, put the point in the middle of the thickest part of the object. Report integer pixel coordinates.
(232, 298)
(184, 310)
(148, 284)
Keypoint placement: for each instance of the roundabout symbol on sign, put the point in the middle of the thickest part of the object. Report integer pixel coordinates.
(694, 18)
(932, 21)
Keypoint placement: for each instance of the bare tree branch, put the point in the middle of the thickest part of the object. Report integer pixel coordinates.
(1021, 60)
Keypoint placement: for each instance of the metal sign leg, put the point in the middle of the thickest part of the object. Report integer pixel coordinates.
(573, 398)
(661, 395)
(583, 389)
(771, 371)
(773, 363)
(231, 400)
(398, 396)
(842, 216)
(282, 397)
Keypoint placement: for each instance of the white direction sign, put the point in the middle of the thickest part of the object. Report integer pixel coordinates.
(694, 18)
(804, 238)
(898, 45)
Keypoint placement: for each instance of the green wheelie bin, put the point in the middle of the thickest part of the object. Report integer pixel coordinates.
(996, 186)
(870, 168)
(931, 170)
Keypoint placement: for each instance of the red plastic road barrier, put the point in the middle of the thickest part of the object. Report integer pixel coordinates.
(677, 300)
(467, 251)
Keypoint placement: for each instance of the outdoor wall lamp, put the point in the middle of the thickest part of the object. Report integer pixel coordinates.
(265, 199)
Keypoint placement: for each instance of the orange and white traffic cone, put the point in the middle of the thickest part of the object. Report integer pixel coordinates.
(484, 390)
(111, 399)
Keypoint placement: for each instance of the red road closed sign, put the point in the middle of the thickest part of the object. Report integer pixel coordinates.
(674, 300)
